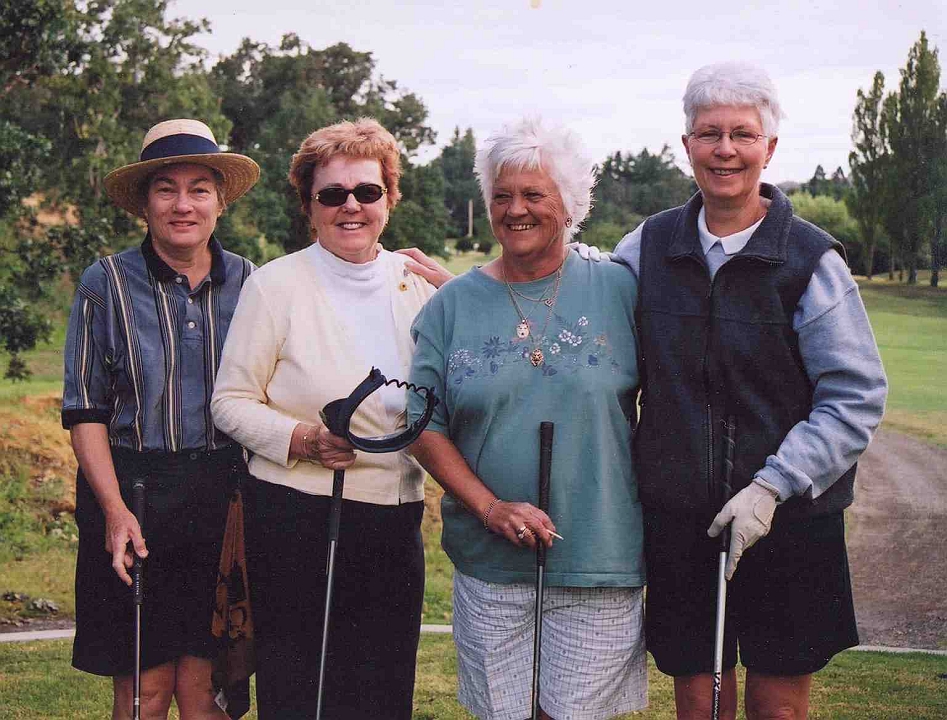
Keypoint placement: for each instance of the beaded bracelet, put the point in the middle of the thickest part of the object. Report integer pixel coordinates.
(486, 513)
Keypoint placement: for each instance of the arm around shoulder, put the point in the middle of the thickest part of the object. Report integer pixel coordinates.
(628, 250)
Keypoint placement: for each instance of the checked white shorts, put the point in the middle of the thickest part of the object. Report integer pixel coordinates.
(593, 650)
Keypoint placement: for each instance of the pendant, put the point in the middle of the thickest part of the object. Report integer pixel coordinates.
(549, 302)
(536, 357)
(522, 330)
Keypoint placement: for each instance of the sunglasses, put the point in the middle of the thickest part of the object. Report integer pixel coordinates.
(366, 194)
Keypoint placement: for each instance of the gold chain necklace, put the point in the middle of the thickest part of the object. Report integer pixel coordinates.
(536, 357)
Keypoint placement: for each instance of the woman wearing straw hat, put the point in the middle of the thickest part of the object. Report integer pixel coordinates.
(142, 348)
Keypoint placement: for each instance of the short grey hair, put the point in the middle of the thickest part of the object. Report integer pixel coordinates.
(556, 150)
(733, 83)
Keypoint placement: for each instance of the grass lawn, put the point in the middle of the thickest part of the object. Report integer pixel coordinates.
(910, 324)
(36, 682)
(459, 263)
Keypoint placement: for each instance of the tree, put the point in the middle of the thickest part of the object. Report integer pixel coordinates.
(39, 40)
(868, 164)
(631, 187)
(936, 204)
(456, 163)
(91, 77)
(817, 184)
(22, 322)
(135, 68)
(839, 185)
(832, 216)
(275, 97)
(910, 126)
(421, 218)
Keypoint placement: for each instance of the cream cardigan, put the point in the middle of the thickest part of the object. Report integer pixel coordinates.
(287, 356)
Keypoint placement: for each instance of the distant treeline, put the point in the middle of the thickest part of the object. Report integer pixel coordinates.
(80, 84)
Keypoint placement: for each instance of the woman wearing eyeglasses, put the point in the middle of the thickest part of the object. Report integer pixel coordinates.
(307, 330)
(747, 311)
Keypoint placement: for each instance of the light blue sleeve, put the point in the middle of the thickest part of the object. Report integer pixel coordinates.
(841, 358)
(628, 250)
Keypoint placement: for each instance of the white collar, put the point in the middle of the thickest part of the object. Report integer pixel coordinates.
(731, 244)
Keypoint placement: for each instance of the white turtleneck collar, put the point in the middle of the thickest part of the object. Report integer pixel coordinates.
(367, 276)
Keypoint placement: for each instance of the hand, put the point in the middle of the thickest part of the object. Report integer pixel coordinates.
(316, 444)
(751, 511)
(421, 264)
(509, 518)
(121, 527)
(590, 252)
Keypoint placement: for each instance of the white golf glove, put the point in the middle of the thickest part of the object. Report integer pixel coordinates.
(590, 252)
(751, 511)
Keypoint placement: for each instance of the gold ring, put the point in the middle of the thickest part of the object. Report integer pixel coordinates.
(521, 533)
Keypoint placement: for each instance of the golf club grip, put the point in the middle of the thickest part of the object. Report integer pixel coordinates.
(727, 489)
(545, 470)
(138, 508)
(335, 509)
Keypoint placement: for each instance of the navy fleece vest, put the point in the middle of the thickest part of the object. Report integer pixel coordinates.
(727, 347)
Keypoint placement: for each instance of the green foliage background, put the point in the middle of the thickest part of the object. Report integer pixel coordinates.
(81, 82)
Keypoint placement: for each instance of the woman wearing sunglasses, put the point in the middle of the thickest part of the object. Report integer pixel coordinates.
(307, 330)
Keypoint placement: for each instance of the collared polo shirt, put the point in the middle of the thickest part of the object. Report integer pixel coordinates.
(143, 347)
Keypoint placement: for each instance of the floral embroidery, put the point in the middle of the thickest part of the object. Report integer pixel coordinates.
(564, 348)
(492, 347)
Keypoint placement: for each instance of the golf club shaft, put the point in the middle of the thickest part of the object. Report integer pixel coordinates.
(335, 516)
(545, 469)
(718, 633)
(730, 443)
(138, 508)
(325, 629)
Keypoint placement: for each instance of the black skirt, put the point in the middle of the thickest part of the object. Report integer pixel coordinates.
(187, 496)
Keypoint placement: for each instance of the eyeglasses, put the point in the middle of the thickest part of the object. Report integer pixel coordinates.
(737, 137)
(365, 193)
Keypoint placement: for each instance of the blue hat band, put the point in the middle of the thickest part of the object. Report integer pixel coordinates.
(177, 145)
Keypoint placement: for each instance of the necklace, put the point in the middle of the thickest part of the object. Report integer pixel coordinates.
(542, 298)
(536, 357)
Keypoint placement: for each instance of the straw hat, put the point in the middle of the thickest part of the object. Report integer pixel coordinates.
(180, 141)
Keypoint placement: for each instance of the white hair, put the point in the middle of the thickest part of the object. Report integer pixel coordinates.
(556, 150)
(733, 83)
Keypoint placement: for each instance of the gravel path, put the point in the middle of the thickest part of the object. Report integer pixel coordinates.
(897, 532)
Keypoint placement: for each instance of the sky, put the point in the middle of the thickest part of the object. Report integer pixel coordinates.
(612, 71)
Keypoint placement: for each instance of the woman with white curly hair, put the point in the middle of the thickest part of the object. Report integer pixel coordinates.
(538, 335)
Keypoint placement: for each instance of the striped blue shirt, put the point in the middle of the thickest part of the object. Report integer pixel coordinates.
(143, 347)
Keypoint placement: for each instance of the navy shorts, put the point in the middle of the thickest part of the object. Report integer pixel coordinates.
(789, 605)
(187, 496)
